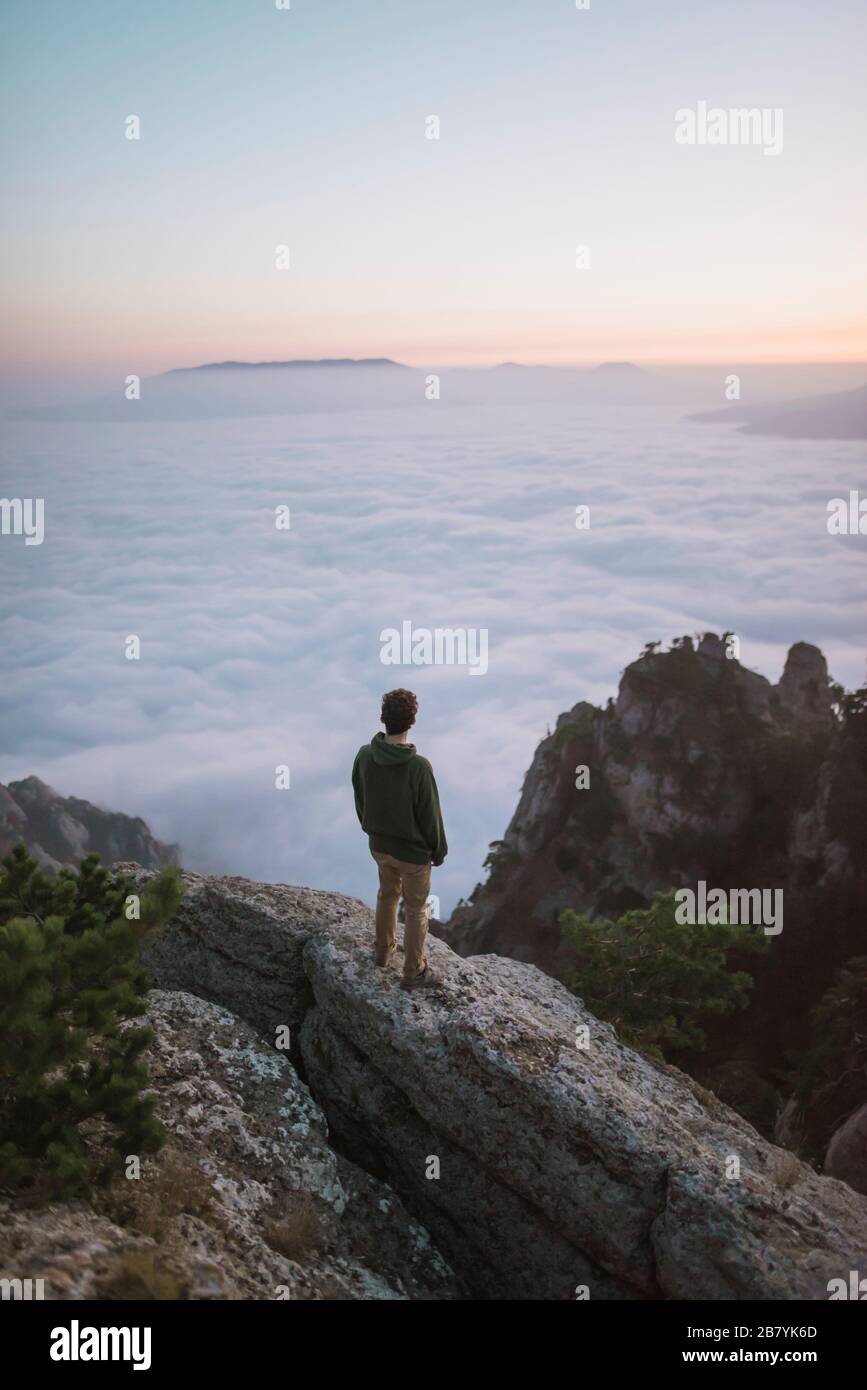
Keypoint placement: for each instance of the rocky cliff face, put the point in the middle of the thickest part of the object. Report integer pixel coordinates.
(538, 1152)
(60, 830)
(700, 769)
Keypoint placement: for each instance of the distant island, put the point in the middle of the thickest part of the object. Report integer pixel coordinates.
(626, 367)
(837, 415)
(617, 367)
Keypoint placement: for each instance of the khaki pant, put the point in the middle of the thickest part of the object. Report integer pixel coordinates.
(413, 880)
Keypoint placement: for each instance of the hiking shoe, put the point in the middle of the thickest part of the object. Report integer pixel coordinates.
(425, 979)
(383, 957)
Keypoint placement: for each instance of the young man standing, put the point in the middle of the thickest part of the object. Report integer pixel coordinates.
(398, 806)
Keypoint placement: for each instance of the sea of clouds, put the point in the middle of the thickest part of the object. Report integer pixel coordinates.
(261, 647)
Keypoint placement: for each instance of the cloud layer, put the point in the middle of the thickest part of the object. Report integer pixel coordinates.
(260, 647)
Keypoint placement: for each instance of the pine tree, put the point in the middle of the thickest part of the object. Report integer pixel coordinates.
(70, 976)
(657, 980)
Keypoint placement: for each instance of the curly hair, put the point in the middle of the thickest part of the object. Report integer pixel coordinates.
(399, 709)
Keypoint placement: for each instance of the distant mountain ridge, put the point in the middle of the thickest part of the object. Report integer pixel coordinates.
(292, 386)
(302, 385)
(60, 830)
(292, 362)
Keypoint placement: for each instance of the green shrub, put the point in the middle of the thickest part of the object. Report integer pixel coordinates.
(658, 980)
(69, 976)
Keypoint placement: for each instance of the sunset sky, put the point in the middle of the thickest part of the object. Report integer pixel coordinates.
(306, 127)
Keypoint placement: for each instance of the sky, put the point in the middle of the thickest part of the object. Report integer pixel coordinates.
(307, 128)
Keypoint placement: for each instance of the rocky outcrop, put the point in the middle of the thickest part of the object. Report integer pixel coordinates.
(700, 769)
(60, 830)
(847, 1152)
(264, 1206)
(539, 1152)
(803, 688)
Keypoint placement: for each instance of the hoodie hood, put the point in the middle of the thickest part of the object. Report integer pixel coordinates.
(390, 754)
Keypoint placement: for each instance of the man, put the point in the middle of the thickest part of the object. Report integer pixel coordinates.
(398, 806)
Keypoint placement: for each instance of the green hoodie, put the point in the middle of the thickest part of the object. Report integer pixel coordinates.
(397, 802)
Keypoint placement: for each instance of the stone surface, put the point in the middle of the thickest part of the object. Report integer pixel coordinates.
(847, 1152)
(239, 943)
(67, 1244)
(247, 1152)
(557, 1166)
